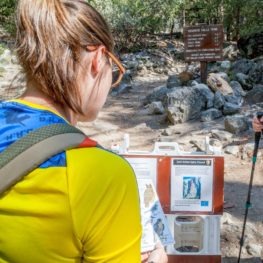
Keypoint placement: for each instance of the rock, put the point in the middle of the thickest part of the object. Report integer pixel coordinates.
(215, 82)
(166, 132)
(210, 115)
(227, 219)
(173, 82)
(223, 136)
(244, 81)
(199, 144)
(143, 71)
(254, 250)
(160, 70)
(242, 66)
(219, 100)
(225, 65)
(132, 64)
(124, 87)
(256, 73)
(231, 52)
(194, 83)
(236, 124)
(215, 145)
(207, 94)
(156, 107)
(234, 150)
(185, 77)
(237, 100)
(149, 64)
(158, 94)
(251, 46)
(223, 75)
(237, 89)
(184, 104)
(230, 108)
(255, 95)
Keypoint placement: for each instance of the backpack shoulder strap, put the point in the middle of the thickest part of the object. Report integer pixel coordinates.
(30, 151)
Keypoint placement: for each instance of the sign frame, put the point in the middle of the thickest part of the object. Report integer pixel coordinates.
(203, 43)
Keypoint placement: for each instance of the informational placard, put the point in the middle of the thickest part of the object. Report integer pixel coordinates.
(144, 168)
(192, 184)
(154, 223)
(203, 42)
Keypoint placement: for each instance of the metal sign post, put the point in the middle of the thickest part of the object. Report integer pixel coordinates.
(203, 43)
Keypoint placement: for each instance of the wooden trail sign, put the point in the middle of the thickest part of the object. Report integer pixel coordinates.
(203, 43)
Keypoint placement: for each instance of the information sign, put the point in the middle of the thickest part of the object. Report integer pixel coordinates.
(203, 43)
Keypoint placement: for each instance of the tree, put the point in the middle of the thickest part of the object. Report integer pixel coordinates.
(7, 11)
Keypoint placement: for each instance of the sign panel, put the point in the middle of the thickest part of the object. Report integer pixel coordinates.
(154, 223)
(203, 43)
(192, 184)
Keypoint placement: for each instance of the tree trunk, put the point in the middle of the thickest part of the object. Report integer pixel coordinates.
(237, 33)
(172, 29)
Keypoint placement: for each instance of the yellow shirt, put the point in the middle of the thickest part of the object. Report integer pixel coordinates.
(84, 211)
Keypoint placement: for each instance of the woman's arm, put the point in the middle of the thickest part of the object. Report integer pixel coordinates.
(104, 201)
(257, 124)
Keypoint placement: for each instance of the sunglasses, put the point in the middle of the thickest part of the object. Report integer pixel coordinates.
(118, 69)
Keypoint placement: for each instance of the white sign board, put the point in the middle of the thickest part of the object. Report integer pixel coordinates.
(192, 184)
(154, 224)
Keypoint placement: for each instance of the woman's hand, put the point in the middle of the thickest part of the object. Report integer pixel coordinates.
(257, 124)
(158, 255)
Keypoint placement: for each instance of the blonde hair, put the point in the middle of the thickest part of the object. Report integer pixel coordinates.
(51, 35)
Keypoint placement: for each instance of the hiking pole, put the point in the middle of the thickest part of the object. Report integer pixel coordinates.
(248, 203)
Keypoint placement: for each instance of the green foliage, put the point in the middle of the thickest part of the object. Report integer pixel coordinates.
(132, 21)
(7, 11)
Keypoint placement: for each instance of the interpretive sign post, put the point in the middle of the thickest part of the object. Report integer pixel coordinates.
(203, 43)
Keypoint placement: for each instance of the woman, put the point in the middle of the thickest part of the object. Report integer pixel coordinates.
(80, 205)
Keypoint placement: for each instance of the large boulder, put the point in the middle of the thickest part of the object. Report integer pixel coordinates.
(230, 108)
(158, 94)
(184, 104)
(210, 114)
(256, 73)
(219, 100)
(173, 82)
(244, 80)
(237, 89)
(236, 124)
(242, 66)
(255, 95)
(216, 82)
(207, 94)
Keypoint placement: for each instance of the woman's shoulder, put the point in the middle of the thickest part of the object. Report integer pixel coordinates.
(95, 154)
(97, 159)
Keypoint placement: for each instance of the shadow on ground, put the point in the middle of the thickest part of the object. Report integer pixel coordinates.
(236, 195)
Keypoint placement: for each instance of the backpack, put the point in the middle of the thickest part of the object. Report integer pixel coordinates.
(27, 153)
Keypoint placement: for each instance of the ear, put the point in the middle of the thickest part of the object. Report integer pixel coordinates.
(97, 60)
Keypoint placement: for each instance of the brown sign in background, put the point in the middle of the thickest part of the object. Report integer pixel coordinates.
(203, 43)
